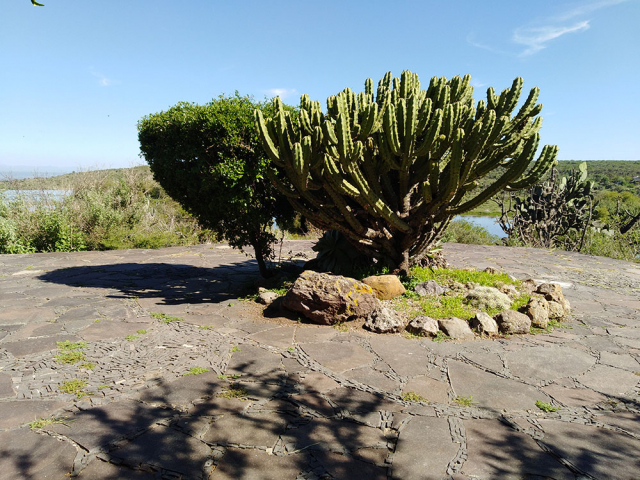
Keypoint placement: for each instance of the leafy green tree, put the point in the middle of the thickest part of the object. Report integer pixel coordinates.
(208, 158)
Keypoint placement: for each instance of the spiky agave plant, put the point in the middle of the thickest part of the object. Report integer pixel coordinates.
(390, 170)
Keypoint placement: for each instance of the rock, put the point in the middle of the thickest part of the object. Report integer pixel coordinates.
(545, 288)
(509, 290)
(267, 298)
(384, 320)
(510, 321)
(488, 297)
(556, 310)
(423, 326)
(529, 285)
(327, 299)
(538, 311)
(430, 288)
(385, 287)
(559, 298)
(492, 271)
(455, 328)
(484, 323)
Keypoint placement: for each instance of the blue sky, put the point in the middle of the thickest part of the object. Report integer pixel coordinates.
(76, 76)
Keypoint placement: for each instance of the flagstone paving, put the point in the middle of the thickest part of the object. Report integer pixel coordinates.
(175, 376)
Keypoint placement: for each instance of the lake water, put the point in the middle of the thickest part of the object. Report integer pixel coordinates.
(35, 195)
(488, 223)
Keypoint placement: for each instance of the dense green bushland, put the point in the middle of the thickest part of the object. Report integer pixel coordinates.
(208, 158)
(107, 209)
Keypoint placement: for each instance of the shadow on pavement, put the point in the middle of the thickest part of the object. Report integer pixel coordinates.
(177, 284)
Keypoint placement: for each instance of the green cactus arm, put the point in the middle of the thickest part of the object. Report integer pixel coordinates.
(431, 135)
(345, 143)
(545, 162)
(329, 133)
(391, 130)
(525, 111)
(305, 121)
(347, 214)
(512, 97)
(514, 170)
(265, 138)
(282, 188)
(410, 124)
(376, 202)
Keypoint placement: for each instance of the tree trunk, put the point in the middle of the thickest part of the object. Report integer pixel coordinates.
(262, 266)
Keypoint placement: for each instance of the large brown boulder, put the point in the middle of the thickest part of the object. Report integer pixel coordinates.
(328, 299)
(385, 287)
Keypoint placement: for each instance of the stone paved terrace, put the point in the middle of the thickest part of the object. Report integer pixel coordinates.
(319, 402)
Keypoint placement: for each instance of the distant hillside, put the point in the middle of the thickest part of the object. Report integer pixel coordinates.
(68, 180)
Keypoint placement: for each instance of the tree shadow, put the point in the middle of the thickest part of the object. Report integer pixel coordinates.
(193, 426)
(175, 283)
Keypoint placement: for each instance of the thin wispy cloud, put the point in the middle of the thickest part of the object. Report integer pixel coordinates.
(537, 38)
(281, 92)
(103, 80)
(539, 35)
(580, 10)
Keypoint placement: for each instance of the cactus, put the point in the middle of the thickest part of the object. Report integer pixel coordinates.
(556, 213)
(390, 170)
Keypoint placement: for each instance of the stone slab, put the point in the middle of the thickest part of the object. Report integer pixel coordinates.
(183, 391)
(316, 382)
(432, 390)
(240, 464)
(341, 466)
(6, 386)
(406, 357)
(166, 448)
(281, 337)
(357, 401)
(595, 451)
(35, 345)
(490, 391)
(624, 361)
(250, 360)
(98, 469)
(338, 357)
(332, 435)
(495, 450)
(256, 430)
(548, 363)
(574, 397)
(28, 455)
(100, 426)
(609, 380)
(112, 329)
(14, 413)
(374, 378)
(422, 435)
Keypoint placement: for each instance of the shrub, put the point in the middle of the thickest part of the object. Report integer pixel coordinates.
(556, 213)
(390, 171)
(208, 158)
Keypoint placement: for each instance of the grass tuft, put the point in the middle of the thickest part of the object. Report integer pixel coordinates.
(413, 397)
(546, 407)
(74, 386)
(464, 401)
(195, 371)
(43, 422)
(234, 391)
(164, 318)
